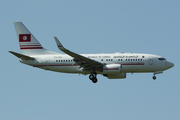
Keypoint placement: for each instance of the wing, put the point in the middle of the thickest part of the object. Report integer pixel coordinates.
(84, 62)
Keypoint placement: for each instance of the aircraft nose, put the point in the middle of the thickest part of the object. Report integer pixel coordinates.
(170, 64)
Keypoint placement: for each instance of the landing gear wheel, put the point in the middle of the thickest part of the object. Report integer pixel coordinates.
(154, 77)
(94, 80)
(91, 77)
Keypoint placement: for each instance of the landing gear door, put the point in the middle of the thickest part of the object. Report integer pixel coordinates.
(150, 61)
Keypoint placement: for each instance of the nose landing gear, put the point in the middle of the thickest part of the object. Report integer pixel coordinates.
(158, 72)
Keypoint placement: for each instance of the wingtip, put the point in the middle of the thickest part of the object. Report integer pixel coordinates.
(17, 22)
(55, 37)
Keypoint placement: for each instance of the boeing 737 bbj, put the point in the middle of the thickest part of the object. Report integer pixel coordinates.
(112, 66)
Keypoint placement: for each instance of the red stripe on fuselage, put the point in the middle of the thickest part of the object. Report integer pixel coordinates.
(111, 69)
(55, 65)
(132, 64)
(78, 65)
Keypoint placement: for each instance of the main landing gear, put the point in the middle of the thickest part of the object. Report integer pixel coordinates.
(92, 77)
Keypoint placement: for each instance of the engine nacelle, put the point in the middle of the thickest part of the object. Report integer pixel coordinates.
(115, 76)
(112, 69)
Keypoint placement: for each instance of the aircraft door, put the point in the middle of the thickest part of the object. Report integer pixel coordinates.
(150, 61)
(47, 62)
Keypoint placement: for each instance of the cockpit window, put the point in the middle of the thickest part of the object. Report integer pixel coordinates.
(161, 59)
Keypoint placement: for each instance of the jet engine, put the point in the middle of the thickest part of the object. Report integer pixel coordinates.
(112, 69)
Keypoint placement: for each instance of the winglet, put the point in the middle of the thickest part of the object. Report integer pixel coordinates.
(60, 46)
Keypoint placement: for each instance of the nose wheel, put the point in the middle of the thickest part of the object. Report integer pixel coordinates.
(158, 72)
(154, 77)
(93, 78)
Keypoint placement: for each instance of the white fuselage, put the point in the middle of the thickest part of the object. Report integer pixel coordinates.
(112, 66)
(130, 62)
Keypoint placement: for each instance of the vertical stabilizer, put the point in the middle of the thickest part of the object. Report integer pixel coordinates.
(27, 42)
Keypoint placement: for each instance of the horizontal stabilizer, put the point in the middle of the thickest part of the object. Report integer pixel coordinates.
(21, 56)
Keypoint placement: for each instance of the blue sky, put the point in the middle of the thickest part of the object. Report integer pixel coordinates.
(91, 26)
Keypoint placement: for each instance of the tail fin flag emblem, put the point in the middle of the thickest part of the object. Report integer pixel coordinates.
(24, 37)
(28, 44)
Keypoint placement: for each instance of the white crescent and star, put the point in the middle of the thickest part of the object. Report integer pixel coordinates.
(24, 37)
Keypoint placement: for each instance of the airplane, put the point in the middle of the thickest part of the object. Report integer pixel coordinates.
(112, 66)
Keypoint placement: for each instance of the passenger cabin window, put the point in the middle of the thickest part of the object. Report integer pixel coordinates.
(161, 59)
